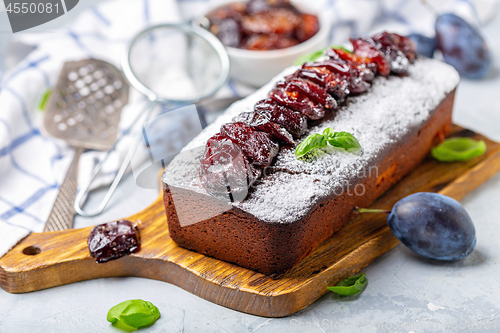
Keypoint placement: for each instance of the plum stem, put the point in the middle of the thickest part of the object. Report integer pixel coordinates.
(430, 7)
(368, 210)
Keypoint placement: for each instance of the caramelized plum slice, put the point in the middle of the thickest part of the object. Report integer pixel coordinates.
(312, 91)
(295, 123)
(334, 66)
(261, 123)
(256, 146)
(366, 47)
(399, 62)
(234, 10)
(113, 240)
(321, 78)
(268, 42)
(228, 31)
(356, 84)
(225, 172)
(335, 85)
(364, 65)
(225, 23)
(308, 27)
(298, 102)
(257, 6)
(279, 21)
(401, 43)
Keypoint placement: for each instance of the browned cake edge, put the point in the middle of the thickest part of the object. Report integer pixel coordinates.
(273, 248)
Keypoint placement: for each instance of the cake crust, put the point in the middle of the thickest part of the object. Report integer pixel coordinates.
(296, 205)
(272, 248)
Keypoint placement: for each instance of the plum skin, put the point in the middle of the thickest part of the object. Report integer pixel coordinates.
(462, 46)
(425, 45)
(433, 225)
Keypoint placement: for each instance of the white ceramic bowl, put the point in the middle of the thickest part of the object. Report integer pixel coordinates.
(256, 68)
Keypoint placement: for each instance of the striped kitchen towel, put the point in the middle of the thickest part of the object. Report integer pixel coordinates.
(33, 166)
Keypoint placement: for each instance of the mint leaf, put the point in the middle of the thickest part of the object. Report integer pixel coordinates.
(313, 141)
(309, 57)
(315, 55)
(45, 99)
(343, 140)
(458, 149)
(350, 286)
(133, 314)
(115, 311)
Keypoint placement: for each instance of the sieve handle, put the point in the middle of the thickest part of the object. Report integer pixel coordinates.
(121, 172)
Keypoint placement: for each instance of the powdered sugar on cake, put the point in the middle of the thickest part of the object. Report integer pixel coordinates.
(392, 109)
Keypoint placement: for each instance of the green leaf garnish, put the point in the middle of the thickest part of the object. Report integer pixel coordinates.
(45, 99)
(458, 149)
(350, 286)
(309, 57)
(342, 140)
(133, 314)
(315, 55)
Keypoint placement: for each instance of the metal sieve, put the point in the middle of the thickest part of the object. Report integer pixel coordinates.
(173, 65)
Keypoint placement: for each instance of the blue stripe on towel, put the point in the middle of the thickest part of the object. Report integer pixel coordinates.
(146, 12)
(78, 42)
(17, 225)
(28, 202)
(24, 109)
(18, 141)
(100, 16)
(32, 64)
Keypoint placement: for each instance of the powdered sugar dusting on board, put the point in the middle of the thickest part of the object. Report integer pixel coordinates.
(394, 108)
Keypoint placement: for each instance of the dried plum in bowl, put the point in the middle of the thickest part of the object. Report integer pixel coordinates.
(263, 37)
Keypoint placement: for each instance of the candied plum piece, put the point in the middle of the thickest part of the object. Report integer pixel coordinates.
(298, 102)
(336, 86)
(366, 47)
(295, 123)
(113, 240)
(343, 55)
(351, 73)
(399, 62)
(366, 71)
(257, 146)
(389, 45)
(401, 43)
(339, 88)
(234, 11)
(225, 23)
(280, 21)
(225, 172)
(321, 78)
(312, 91)
(268, 42)
(357, 84)
(257, 6)
(334, 66)
(309, 26)
(364, 65)
(261, 123)
(228, 31)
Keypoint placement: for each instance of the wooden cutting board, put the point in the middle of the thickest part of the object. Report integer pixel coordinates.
(45, 260)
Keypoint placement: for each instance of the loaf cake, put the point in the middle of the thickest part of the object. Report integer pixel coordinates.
(292, 205)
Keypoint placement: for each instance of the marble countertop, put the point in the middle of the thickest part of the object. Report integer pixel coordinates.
(404, 293)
